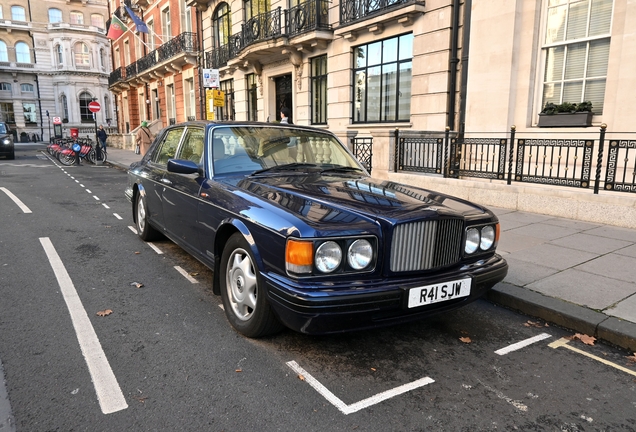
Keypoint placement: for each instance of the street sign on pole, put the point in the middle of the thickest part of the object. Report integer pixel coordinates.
(94, 106)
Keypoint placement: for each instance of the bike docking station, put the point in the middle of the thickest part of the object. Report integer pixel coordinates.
(77, 148)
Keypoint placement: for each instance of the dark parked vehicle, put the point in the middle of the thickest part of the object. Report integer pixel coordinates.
(298, 234)
(6, 141)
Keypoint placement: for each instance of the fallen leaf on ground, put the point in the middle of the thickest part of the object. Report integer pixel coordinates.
(532, 324)
(300, 377)
(238, 370)
(373, 369)
(194, 274)
(141, 399)
(465, 339)
(137, 253)
(587, 340)
(137, 284)
(632, 358)
(105, 312)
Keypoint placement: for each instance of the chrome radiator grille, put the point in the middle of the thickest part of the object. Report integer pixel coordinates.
(426, 245)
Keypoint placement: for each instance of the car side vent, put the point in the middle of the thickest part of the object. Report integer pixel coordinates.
(426, 245)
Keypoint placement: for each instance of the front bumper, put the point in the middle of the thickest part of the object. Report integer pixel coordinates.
(316, 309)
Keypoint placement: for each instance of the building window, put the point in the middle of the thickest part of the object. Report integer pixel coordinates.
(55, 16)
(22, 53)
(18, 13)
(126, 53)
(97, 20)
(5, 86)
(253, 8)
(26, 88)
(186, 17)
(252, 107)
(84, 99)
(151, 35)
(576, 50)
(319, 90)
(102, 58)
(65, 107)
(227, 112)
(4, 54)
(166, 27)
(172, 118)
(29, 112)
(222, 25)
(190, 99)
(117, 59)
(107, 109)
(77, 18)
(59, 54)
(1, 15)
(6, 112)
(382, 80)
(82, 55)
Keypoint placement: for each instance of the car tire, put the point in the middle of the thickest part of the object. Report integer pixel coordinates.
(242, 290)
(144, 230)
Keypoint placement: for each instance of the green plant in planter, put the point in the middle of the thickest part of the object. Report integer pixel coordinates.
(567, 107)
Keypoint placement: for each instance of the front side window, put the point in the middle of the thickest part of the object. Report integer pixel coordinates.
(576, 50)
(26, 88)
(18, 13)
(29, 113)
(168, 147)
(319, 90)
(82, 55)
(22, 53)
(77, 18)
(222, 25)
(6, 112)
(84, 99)
(4, 54)
(252, 107)
(382, 80)
(97, 20)
(55, 16)
(227, 112)
(192, 147)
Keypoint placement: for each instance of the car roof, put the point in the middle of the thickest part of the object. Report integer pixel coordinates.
(215, 123)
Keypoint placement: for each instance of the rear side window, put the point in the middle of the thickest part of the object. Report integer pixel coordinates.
(168, 148)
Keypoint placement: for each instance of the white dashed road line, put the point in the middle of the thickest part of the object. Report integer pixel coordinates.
(105, 205)
(522, 344)
(117, 216)
(16, 200)
(109, 394)
(349, 409)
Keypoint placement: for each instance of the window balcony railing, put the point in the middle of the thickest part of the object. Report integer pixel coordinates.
(355, 10)
(116, 76)
(185, 42)
(308, 16)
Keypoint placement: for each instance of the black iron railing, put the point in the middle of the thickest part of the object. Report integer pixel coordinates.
(363, 151)
(555, 159)
(131, 70)
(185, 42)
(308, 16)
(147, 61)
(355, 10)
(116, 76)
(264, 26)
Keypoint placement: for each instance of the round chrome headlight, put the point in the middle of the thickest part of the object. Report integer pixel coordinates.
(360, 254)
(487, 237)
(472, 240)
(328, 257)
(6, 141)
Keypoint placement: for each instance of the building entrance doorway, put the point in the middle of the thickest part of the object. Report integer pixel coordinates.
(284, 95)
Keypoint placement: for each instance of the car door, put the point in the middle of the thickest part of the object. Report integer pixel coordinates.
(154, 170)
(180, 193)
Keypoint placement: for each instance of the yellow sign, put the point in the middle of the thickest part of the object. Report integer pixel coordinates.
(209, 104)
(219, 98)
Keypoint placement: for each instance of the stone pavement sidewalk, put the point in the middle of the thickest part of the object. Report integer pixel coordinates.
(578, 275)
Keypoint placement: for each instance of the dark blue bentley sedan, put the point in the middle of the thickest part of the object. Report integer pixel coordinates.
(299, 235)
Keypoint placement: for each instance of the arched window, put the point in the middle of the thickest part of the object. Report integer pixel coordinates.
(84, 99)
(55, 15)
(77, 18)
(22, 53)
(222, 25)
(81, 55)
(97, 20)
(59, 54)
(17, 13)
(4, 55)
(64, 107)
(26, 88)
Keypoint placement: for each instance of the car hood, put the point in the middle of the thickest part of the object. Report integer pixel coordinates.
(364, 197)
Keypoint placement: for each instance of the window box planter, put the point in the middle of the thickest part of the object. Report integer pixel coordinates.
(577, 119)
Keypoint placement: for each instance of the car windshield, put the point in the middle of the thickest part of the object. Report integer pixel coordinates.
(3, 128)
(264, 150)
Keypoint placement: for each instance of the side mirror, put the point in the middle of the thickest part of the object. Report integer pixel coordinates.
(181, 166)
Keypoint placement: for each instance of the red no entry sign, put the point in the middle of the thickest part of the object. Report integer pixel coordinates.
(94, 106)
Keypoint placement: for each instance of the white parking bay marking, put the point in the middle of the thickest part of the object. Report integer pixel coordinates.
(109, 394)
(349, 409)
(563, 342)
(155, 248)
(522, 344)
(133, 229)
(16, 200)
(186, 275)
(117, 216)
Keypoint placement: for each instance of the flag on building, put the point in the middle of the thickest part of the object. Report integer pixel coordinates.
(116, 29)
(141, 26)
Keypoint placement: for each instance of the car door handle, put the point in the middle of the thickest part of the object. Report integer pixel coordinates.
(166, 181)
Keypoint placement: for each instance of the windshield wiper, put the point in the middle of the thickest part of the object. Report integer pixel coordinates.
(286, 167)
(341, 169)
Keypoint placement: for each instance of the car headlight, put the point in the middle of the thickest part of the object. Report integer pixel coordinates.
(6, 141)
(472, 240)
(487, 237)
(360, 254)
(328, 257)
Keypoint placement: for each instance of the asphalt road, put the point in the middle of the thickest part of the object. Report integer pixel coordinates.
(166, 359)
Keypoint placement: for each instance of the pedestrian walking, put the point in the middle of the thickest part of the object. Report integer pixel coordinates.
(102, 136)
(144, 138)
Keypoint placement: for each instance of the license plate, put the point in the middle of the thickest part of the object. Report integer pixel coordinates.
(436, 293)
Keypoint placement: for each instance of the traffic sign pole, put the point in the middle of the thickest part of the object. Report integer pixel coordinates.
(94, 107)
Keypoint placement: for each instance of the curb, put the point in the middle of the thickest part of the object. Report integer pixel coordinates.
(564, 314)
